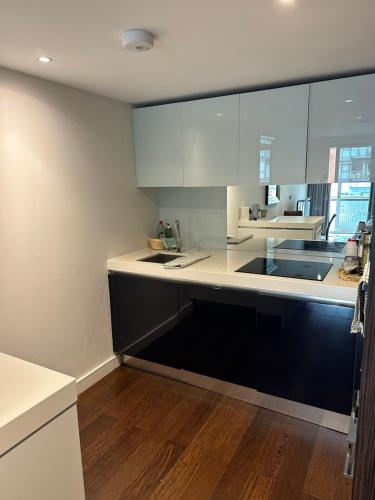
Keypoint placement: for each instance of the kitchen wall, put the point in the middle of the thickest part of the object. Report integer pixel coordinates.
(201, 211)
(245, 196)
(68, 201)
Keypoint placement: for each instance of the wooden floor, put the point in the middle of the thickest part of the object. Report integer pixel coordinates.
(144, 436)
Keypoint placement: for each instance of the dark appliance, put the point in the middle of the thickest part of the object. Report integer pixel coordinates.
(299, 269)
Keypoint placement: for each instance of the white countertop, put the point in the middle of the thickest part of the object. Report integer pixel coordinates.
(219, 269)
(30, 396)
(285, 222)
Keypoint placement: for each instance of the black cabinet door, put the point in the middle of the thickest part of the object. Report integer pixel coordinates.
(306, 352)
(218, 326)
(298, 350)
(145, 318)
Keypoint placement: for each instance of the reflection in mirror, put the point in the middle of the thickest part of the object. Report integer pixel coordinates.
(352, 164)
(304, 212)
(265, 158)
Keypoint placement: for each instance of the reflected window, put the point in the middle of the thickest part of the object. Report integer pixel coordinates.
(354, 163)
(265, 149)
(350, 201)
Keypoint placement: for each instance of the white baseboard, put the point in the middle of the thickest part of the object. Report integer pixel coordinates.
(100, 371)
(324, 418)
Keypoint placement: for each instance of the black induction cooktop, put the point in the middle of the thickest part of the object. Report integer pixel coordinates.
(299, 269)
(314, 245)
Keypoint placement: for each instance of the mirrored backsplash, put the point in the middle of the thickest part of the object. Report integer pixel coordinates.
(201, 212)
(304, 211)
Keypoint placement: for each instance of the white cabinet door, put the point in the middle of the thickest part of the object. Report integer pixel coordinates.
(158, 145)
(273, 136)
(210, 141)
(46, 465)
(342, 130)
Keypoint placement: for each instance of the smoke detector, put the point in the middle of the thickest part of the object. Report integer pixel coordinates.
(137, 40)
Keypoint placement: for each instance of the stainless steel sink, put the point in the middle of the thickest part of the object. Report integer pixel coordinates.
(160, 258)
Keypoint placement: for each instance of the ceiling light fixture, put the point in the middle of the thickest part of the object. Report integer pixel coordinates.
(44, 59)
(359, 117)
(348, 100)
(137, 40)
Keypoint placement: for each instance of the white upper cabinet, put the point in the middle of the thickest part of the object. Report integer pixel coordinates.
(210, 130)
(342, 130)
(158, 145)
(273, 136)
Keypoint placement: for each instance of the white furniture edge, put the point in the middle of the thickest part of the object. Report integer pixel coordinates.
(20, 418)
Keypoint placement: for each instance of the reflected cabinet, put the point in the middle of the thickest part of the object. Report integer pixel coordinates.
(341, 138)
(273, 136)
(210, 141)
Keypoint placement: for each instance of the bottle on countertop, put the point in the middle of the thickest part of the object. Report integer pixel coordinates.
(351, 262)
(255, 211)
(351, 248)
(168, 237)
(160, 230)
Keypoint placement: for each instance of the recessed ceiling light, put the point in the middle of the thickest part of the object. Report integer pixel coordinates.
(359, 117)
(44, 59)
(287, 1)
(348, 100)
(219, 114)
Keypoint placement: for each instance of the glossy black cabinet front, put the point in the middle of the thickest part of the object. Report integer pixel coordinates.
(218, 328)
(298, 350)
(306, 352)
(145, 318)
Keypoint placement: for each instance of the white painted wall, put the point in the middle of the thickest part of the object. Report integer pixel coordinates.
(245, 196)
(68, 201)
(201, 212)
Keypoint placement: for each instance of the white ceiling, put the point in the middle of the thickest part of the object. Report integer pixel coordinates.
(203, 46)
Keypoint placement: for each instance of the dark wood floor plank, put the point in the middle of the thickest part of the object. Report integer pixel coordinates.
(144, 436)
(222, 431)
(258, 487)
(273, 444)
(121, 413)
(95, 429)
(99, 475)
(143, 486)
(163, 400)
(132, 395)
(93, 400)
(143, 469)
(187, 417)
(325, 477)
(192, 480)
(289, 483)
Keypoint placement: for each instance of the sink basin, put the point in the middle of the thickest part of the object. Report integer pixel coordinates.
(160, 258)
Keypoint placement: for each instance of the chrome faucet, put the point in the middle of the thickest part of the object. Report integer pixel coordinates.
(178, 235)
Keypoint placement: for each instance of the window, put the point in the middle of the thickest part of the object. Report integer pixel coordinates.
(350, 202)
(265, 158)
(354, 163)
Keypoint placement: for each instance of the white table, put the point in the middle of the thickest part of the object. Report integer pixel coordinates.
(291, 227)
(40, 455)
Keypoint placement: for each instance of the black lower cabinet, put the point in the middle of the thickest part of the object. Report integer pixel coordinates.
(219, 329)
(145, 319)
(306, 353)
(298, 350)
